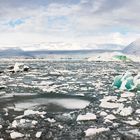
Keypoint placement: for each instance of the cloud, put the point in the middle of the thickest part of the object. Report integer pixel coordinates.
(96, 21)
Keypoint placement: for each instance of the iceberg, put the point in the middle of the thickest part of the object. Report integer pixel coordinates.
(117, 81)
(127, 82)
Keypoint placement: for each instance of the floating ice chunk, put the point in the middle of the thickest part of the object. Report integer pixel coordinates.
(60, 126)
(14, 124)
(127, 94)
(110, 117)
(110, 105)
(126, 111)
(103, 113)
(29, 112)
(1, 126)
(88, 116)
(38, 134)
(15, 135)
(133, 122)
(43, 83)
(94, 131)
(115, 124)
(107, 121)
(135, 132)
(18, 123)
(109, 98)
(105, 102)
(138, 111)
(48, 88)
(22, 121)
(34, 122)
(17, 67)
(19, 117)
(122, 100)
(51, 120)
(98, 84)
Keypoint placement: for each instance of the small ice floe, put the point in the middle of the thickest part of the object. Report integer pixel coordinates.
(17, 109)
(109, 105)
(20, 123)
(138, 111)
(122, 100)
(34, 122)
(38, 134)
(14, 124)
(44, 83)
(135, 132)
(51, 120)
(132, 122)
(55, 73)
(1, 126)
(110, 102)
(103, 113)
(109, 98)
(127, 94)
(107, 121)
(48, 88)
(17, 67)
(6, 111)
(98, 84)
(115, 124)
(125, 111)
(94, 131)
(60, 126)
(15, 135)
(86, 117)
(110, 117)
(30, 112)
(19, 117)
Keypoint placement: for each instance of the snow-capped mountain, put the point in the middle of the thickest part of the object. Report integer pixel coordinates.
(133, 48)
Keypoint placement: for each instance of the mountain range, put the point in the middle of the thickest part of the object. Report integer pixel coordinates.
(132, 49)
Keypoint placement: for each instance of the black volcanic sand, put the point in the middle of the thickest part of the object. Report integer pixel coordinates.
(59, 91)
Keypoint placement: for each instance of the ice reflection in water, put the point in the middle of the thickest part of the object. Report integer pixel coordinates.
(54, 103)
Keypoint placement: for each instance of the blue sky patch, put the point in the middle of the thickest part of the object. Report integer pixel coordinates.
(16, 22)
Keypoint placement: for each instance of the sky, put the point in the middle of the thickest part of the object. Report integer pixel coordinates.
(79, 22)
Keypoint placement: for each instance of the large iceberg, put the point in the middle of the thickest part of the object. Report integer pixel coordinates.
(127, 81)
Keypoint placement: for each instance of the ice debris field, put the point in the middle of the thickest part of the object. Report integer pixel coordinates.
(69, 100)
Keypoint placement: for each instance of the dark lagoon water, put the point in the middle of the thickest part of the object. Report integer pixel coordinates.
(64, 90)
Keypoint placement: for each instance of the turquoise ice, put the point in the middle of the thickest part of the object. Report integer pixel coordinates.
(127, 82)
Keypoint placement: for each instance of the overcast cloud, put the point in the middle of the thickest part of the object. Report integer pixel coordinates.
(86, 21)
